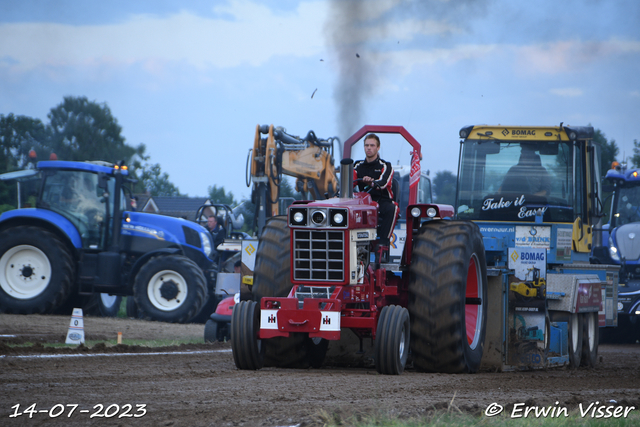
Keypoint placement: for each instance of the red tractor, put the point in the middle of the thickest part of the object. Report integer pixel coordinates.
(318, 270)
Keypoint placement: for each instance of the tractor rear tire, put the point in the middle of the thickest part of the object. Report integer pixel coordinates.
(207, 308)
(103, 305)
(590, 338)
(272, 278)
(170, 288)
(271, 274)
(392, 340)
(448, 297)
(75, 300)
(248, 352)
(36, 271)
(132, 308)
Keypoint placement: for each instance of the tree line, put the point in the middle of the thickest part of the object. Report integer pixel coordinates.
(80, 129)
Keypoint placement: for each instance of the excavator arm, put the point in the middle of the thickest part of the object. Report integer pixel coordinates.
(276, 153)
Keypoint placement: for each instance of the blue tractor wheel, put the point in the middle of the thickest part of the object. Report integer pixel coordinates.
(170, 288)
(36, 271)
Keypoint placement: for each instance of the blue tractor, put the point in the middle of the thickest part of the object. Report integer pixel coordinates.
(620, 237)
(79, 238)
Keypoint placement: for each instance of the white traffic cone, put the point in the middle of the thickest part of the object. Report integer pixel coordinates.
(75, 335)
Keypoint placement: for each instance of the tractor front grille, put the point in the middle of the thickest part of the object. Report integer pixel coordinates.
(318, 255)
(628, 245)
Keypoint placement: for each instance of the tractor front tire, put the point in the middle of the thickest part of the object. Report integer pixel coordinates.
(169, 288)
(211, 331)
(272, 278)
(248, 352)
(36, 271)
(448, 297)
(392, 340)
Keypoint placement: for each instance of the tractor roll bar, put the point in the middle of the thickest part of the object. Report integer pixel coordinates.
(416, 154)
(379, 129)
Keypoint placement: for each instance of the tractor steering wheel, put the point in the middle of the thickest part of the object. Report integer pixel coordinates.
(361, 181)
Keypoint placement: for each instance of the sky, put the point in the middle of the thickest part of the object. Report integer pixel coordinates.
(191, 79)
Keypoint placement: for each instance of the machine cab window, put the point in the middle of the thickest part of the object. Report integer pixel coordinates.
(627, 208)
(77, 196)
(513, 180)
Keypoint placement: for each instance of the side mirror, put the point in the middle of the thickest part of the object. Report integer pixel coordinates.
(103, 179)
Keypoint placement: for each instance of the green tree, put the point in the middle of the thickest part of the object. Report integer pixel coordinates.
(156, 182)
(287, 190)
(79, 130)
(19, 135)
(608, 150)
(219, 196)
(86, 130)
(444, 187)
(635, 160)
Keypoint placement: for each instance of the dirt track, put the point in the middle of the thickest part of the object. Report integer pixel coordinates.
(203, 387)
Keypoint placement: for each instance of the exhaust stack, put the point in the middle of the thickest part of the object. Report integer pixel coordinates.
(346, 178)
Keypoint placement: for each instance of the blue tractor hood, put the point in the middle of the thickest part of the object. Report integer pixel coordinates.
(165, 228)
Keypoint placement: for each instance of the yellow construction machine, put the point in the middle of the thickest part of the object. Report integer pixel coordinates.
(276, 153)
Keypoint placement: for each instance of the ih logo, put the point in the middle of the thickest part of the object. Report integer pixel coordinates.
(271, 319)
(326, 320)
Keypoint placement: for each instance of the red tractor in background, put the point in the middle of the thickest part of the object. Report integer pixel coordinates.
(318, 270)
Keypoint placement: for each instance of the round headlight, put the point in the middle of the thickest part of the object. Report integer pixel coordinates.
(338, 218)
(613, 251)
(298, 217)
(431, 212)
(318, 217)
(415, 212)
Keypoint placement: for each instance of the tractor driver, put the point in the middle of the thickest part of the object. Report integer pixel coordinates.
(377, 175)
(217, 231)
(528, 176)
